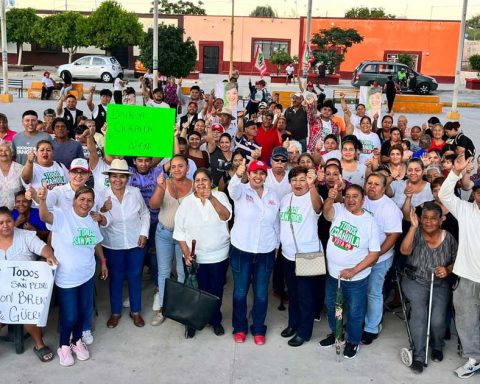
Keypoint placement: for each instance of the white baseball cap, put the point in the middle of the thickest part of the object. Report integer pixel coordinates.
(79, 164)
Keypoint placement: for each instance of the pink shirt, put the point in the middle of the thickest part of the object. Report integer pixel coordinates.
(9, 135)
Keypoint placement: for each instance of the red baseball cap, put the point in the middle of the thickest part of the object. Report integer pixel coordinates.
(218, 127)
(256, 165)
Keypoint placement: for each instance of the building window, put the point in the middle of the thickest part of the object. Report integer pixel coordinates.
(269, 46)
(47, 48)
(393, 58)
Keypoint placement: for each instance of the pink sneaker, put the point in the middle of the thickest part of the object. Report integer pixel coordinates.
(259, 339)
(239, 337)
(80, 349)
(65, 355)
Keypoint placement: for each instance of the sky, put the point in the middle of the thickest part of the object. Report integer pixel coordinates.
(412, 9)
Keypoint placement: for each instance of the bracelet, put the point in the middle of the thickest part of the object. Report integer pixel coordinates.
(103, 261)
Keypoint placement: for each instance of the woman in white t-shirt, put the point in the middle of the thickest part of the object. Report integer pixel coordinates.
(45, 171)
(299, 212)
(203, 216)
(76, 238)
(21, 245)
(352, 249)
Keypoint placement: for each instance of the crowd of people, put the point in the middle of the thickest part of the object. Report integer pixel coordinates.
(252, 188)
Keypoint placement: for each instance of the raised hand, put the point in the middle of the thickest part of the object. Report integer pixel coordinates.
(460, 164)
(320, 175)
(31, 156)
(42, 193)
(408, 190)
(241, 168)
(311, 177)
(107, 205)
(333, 192)
(161, 182)
(413, 218)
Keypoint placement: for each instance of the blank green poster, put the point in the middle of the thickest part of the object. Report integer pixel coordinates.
(139, 131)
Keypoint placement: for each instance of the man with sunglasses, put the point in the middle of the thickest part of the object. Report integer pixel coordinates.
(277, 180)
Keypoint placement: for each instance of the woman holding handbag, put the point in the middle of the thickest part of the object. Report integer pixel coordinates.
(254, 243)
(299, 212)
(203, 216)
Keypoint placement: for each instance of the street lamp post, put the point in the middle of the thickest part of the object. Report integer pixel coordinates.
(230, 68)
(5, 96)
(307, 38)
(454, 114)
(155, 44)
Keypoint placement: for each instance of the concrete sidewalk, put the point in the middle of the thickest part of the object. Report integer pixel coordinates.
(161, 354)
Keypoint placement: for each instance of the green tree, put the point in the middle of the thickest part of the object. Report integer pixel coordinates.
(368, 13)
(473, 28)
(406, 59)
(111, 26)
(180, 8)
(332, 45)
(67, 29)
(177, 57)
(19, 27)
(263, 11)
(280, 57)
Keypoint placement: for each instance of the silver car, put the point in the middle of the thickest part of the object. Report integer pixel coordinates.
(105, 68)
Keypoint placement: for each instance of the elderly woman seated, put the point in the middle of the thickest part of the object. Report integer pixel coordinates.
(22, 245)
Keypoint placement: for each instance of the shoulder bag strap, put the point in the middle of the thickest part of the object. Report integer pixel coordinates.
(291, 223)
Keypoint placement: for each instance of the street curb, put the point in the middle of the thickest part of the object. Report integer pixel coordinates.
(461, 104)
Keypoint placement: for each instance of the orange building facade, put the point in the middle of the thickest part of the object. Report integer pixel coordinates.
(433, 44)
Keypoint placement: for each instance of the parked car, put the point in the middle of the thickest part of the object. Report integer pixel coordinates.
(369, 71)
(105, 68)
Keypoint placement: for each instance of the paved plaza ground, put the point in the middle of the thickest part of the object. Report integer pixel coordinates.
(161, 354)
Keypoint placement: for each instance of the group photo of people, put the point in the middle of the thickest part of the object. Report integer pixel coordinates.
(296, 204)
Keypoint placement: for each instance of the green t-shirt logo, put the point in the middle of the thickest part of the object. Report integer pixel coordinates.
(296, 217)
(345, 236)
(85, 236)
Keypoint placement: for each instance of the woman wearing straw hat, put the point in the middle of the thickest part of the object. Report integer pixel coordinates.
(124, 242)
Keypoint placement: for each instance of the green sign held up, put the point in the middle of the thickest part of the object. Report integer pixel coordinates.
(139, 131)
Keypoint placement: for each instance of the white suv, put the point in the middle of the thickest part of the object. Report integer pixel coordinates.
(105, 68)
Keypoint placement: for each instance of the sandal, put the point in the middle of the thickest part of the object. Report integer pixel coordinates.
(43, 353)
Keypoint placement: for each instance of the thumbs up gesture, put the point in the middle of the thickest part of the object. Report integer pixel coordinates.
(242, 168)
(42, 192)
(333, 192)
(107, 206)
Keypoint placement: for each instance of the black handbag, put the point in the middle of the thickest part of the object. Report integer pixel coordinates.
(189, 306)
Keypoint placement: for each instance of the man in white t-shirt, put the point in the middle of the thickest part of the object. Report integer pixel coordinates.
(290, 76)
(389, 220)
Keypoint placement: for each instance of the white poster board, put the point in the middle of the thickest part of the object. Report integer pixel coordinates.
(25, 292)
(371, 97)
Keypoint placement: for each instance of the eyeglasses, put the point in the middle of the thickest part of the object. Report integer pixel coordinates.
(280, 160)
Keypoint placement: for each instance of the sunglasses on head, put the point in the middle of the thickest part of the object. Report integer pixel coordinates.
(280, 160)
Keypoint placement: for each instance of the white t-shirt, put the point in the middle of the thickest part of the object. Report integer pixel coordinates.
(281, 188)
(357, 176)
(304, 221)
(335, 154)
(53, 176)
(101, 181)
(151, 103)
(370, 141)
(398, 188)
(326, 128)
(388, 218)
(74, 239)
(194, 220)
(118, 85)
(25, 247)
(351, 238)
(289, 69)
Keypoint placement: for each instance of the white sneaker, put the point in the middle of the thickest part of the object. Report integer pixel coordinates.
(87, 337)
(65, 355)
(80, 349)
(158, 318)
(468, 369)
(156, 302)
(126, 303)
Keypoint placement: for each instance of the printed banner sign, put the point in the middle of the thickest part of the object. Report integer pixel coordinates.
(371, 97)
(25, 292)
(134, 130)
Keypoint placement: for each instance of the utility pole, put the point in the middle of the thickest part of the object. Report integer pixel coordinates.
(230, 69)
(3, 22)
(155, 44)
(454, 114)
(307, 37)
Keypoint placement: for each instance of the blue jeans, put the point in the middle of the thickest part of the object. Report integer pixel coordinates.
(166, 247)
(212, 278)
(125, 263)
(74, 303)
(375, 295)
(354, 305)
(255, 268)
(301, 295)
